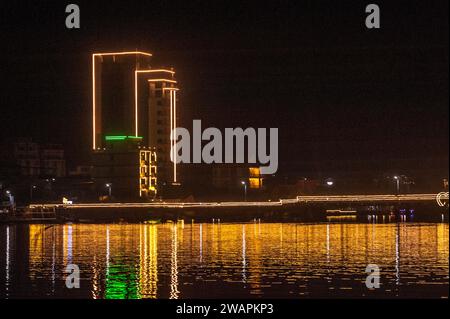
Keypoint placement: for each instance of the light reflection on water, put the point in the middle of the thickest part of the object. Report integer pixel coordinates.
(175, 260)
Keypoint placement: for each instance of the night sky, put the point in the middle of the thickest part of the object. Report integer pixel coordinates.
(335, 89)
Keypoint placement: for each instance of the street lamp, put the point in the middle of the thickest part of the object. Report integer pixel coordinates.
(109, 186)
(31, 191)
(397, 179)
(245, 190)
(50, 183)
(10, 197)
(329, 182)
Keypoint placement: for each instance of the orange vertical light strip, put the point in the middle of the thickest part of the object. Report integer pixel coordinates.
(139, 174)
(171, 126)
(174, 135)
(93, 102)
(136, 103)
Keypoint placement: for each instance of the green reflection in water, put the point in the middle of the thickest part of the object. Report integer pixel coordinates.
(121, 282)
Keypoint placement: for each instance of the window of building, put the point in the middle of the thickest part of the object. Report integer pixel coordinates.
(255, 182)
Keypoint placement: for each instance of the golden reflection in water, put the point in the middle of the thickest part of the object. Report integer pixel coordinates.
(256, 263)
(36, 241)
(201, 242)
(7, 261)
(148, 270)
(154, 261)
(174, 264)
(244, 262)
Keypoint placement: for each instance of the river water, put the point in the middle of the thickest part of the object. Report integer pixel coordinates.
(248, 260)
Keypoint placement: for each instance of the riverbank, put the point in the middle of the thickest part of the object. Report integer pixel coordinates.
(287, 212)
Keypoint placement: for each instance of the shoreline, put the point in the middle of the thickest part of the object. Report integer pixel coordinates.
(310, 214)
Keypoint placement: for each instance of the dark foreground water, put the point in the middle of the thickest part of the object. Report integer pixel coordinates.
(249, 260)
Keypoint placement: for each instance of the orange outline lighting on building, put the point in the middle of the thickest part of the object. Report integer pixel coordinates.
(156, 70)
(173, 106)
(174, 135)
(93, 102)
(94, 95)
(162, 80)
(173, 125)
(136, 89)
(136, 72)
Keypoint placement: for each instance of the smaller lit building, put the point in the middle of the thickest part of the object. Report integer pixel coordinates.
(231, 176)
(255, 180)
(124, 169)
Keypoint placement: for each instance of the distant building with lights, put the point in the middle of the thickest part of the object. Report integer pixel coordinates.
(26, 158)
(132, 99)
(53, 163)
(232, 176)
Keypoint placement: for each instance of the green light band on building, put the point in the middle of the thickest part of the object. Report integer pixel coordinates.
(120, 137)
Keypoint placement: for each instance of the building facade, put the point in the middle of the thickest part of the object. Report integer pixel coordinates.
(124, 169)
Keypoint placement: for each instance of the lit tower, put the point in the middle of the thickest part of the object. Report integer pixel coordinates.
(114, 111)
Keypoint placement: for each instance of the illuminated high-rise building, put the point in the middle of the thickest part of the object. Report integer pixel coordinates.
(114, 109)
(132, 99)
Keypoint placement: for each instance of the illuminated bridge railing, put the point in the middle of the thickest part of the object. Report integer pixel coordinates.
(368, 198)
(440, 198)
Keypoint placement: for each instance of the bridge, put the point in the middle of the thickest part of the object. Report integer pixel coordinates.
(386, 199)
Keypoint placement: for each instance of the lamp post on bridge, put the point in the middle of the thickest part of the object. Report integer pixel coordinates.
(245, 190)
(397, 179)
(109, 186)
(32, 187)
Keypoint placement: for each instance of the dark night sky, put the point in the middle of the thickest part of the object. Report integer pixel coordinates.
(335, 89)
